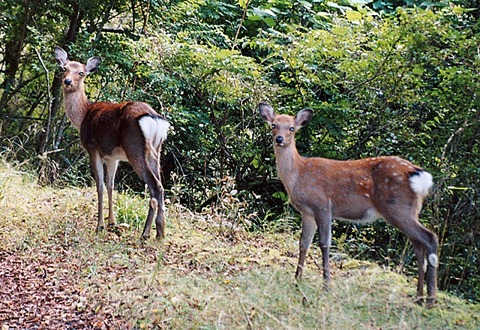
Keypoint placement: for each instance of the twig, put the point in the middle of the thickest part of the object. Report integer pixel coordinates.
(304, 299)
(273, 317)
(46, 74)
(50, 101)
(250, 325)
(316, 264)
(244, 14)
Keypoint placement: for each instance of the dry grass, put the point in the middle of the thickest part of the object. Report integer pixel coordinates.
(200, 276)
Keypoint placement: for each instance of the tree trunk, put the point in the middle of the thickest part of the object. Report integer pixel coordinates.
(15, 40)
(47, 135)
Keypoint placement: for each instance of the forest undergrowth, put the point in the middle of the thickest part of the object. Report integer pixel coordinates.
(56, 272)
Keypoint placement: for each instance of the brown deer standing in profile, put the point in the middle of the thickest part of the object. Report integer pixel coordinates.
(359, 190)
(113, 132)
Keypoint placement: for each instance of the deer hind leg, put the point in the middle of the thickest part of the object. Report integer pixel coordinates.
(112, 166)
(160, 220)
(97, 165)
(146, 166)
(425, 244)
(152, 207)
(422, 267)
(427, 269)
(158, 195)
(432, 266)
(157, 204)
(308, 231)
(429, 243)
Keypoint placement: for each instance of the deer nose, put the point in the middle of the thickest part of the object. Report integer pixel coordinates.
(279, 139)
(67, 81)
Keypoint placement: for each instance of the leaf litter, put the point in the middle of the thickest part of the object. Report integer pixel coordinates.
(40, 289)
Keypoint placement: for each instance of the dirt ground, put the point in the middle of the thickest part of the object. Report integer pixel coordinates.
(39, 290)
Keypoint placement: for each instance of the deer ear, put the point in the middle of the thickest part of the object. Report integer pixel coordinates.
(92, 64)
(303, 117)
(61, 56)
(266, 111)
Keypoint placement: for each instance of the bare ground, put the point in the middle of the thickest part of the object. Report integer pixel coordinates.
(40, 290)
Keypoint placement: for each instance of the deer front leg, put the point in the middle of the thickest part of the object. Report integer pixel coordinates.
(97, 166)
(324, 224)
(308, 231)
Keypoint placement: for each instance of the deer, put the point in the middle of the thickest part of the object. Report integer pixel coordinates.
(112, 132)
(361, 191)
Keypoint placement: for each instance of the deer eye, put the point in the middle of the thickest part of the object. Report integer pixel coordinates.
(273, 126)
(292, 129)
(64, 69)
(81, 74)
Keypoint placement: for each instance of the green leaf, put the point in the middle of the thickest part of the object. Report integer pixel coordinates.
(353, 16)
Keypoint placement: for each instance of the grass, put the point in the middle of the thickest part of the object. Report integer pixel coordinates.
(200, 276)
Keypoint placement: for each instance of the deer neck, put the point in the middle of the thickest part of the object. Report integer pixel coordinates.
(288, 163)
(76, 106)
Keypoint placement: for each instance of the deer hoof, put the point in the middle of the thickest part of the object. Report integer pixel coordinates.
(431, 302)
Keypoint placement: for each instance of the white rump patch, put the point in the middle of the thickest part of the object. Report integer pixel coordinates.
(433, 260)
(155, 130)
(421, 183)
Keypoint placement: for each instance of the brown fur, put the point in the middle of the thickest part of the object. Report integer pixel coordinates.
(111, 132)
(359, 190)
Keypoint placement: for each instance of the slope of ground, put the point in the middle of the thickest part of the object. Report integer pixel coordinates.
(56, 273)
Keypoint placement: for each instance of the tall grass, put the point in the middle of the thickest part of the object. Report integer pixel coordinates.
(203, 275)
